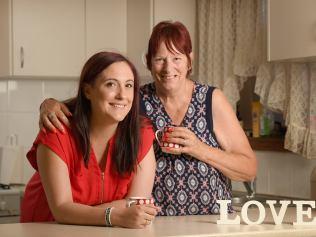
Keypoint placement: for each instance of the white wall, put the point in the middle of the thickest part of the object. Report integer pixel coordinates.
(283, 174)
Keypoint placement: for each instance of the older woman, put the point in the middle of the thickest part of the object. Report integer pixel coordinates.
(213, 148)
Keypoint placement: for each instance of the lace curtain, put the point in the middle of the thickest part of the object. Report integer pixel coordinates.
(227, 39)
(290, 88)
(232, 47)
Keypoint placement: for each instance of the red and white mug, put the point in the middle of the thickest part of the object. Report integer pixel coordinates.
(139, 201)
(160, 133)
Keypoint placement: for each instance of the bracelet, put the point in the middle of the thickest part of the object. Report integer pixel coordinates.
(107, 216)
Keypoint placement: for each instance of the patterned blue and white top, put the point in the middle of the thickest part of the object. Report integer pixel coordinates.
(184, 185)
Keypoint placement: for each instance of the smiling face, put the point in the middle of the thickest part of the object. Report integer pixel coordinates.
(111, 95)
(169, 68)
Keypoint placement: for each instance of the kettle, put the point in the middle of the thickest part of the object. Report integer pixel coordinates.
(11, 162)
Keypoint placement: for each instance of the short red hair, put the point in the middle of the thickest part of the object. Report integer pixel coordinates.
(173, 34)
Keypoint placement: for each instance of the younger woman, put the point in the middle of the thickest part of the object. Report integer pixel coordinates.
(84, 174)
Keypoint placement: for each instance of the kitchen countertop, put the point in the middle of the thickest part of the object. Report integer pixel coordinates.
(170, 226)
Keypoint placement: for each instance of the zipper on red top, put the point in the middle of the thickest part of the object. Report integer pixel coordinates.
(102, 188)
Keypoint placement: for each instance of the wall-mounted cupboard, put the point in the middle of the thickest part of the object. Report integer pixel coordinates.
(53, 38)
(291, 30)
(142, 15)
(106, 26)
(42, 38)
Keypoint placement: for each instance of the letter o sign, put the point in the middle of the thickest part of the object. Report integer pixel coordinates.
(244, 213)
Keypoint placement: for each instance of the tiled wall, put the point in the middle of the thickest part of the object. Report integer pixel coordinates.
(19, 108)
(19, 105)
(279, 173)
(20, 101)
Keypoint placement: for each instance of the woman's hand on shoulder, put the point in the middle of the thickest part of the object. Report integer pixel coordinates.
(52, 115)
(136, 216)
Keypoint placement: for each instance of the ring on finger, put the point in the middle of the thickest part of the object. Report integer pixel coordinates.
(51, 115)
(63, 117)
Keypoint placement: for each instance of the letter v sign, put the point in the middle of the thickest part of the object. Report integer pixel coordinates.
(278, 218)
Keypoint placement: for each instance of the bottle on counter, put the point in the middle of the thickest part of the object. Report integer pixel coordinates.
(266, 122)
(256, 112)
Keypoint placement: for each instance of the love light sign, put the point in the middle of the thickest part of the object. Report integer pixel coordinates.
(277, 217)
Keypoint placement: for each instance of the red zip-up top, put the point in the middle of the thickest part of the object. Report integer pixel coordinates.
(89, 186)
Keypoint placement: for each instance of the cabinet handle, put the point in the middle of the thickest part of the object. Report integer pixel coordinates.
(22, 56)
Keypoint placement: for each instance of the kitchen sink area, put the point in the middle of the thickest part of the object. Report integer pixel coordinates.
(239, 198)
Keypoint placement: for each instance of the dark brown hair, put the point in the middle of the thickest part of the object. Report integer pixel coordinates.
(127, 135)
(172, 33)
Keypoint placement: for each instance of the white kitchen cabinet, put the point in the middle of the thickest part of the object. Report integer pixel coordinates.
(139, 26)
(143, 15)
(54, 37)
(176, 10)
(42, 38)
(106, 22)
(291, 30)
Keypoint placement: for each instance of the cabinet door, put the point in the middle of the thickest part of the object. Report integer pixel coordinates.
(177, 10)
(106, 23)
(291, 29)
(143, 15)
(48, 37)
(139, 27)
